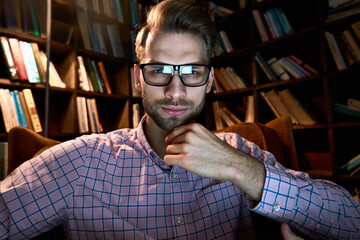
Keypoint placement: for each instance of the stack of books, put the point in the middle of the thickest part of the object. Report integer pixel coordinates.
(345, 46)
(26, 63)
(284, 68)
(283, 102)
(227, 79)
(88, 115)
(351, 108)
(92, 76)
(271, 23)
(342, 8)
(18, 108)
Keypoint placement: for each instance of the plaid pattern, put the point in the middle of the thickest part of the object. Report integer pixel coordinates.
(114, 186)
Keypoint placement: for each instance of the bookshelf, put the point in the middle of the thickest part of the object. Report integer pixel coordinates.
(333, 138)
(66, 44)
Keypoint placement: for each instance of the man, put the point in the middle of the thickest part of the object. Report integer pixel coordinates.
(169, 177)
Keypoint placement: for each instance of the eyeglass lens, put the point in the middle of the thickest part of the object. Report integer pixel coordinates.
(161, 75)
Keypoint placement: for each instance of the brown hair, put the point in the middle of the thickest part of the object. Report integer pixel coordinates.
(177, 16)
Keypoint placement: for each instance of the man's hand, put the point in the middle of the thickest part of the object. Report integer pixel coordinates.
(197, 150)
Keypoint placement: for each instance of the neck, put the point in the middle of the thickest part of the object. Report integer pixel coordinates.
(155, 136)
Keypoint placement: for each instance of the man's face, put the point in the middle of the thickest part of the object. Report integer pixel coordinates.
(175, 104)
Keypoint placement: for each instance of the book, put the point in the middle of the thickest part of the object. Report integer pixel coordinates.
(229, 122)
(284, 22)
(30, 62)
(14, 114)
(5, 110)
(232, 82)
(279, 105)
(278, 69)
(20, 109)
(351, 164)
(31, 106)
(291, 68)
(82, 115)
(115, 40)
(296, 108)
(352, 102)
(97, 76)
(104, 77)
(26, 111)
(356, 28)
(223, 81)
(54, 78)
(335, 51)
(10, 64)
(239, 81)
(345, 109)
(303, 64)
(41, 69)
(18, 59)
(225, 39)
(348, 39)
(260, 25)
(84, 81)
(219, 122)
(270, 104)
(250, 109)
(232, 116)
(265, 67)
(91, 73)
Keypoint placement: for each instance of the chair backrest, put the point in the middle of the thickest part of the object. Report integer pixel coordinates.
(24, 144)
(275, 136)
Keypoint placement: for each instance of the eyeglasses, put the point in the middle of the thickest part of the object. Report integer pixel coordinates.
(160, 75)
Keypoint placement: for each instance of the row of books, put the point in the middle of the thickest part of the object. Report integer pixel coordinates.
(110, 8)
(225, 116)
(351, 167)
(88, 116)
(29, 16)
(92, 76)
(342, 8)
(284, 68)
(25, 62)
(18, 108)
(227, 79)
(223, 44)
(345, 46)
(283, 102)
(100, 37)
(271, 23)
(351, 108)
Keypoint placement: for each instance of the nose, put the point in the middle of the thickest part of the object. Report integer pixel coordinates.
(175, 90)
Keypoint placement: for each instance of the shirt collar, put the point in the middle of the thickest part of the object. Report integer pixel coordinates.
(147, 148)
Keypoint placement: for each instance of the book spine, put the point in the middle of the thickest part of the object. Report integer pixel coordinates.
(30, 62)
(264, 66)
(35, 120)
(20, 109)
(260, 25)
(18, 59)
(335, 51)
(13, 75)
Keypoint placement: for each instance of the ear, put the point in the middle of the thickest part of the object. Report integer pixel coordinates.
(137, 77)
(210, 81)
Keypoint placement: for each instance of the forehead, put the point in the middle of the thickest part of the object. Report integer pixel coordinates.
(175, 48)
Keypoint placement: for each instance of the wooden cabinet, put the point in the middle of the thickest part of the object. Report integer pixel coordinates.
(66, 44)
(334, 138)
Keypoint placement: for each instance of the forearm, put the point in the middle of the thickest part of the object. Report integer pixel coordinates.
(317, 208)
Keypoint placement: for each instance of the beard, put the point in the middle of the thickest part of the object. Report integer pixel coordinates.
(154, 110)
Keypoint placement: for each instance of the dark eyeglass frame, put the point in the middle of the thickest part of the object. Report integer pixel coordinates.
(175, 68)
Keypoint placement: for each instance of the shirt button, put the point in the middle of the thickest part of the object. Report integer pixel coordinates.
(174, 176)
(179, 220)
(317, 226)
(276, 207)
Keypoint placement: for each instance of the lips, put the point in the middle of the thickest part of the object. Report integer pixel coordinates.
(174, 110)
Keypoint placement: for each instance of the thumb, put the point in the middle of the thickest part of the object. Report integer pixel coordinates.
(287, 233)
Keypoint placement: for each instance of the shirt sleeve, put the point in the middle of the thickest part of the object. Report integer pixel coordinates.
(317, 208)
(35, 196)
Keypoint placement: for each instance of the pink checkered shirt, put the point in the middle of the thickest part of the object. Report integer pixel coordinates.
(114, 186)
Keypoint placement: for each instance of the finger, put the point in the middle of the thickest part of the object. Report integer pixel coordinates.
(287, 233)
(173, 159)
(174, 149)
(177, 132)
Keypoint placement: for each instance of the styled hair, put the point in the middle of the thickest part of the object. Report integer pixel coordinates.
(177, 16)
